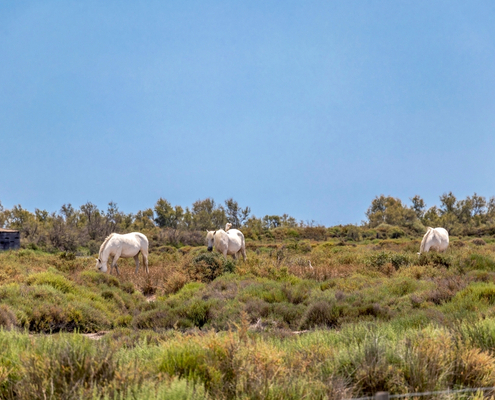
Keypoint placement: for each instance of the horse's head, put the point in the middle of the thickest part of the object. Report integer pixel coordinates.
(210, 239)
(101, 266)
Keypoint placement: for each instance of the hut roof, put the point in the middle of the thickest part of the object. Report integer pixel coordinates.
(8, 230)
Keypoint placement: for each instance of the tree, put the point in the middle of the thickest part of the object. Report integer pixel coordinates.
(431, 217)
(389, 210)
(68, 213)
(168, 216)
(115, 219)
(24, 221)
(419, 206)
(448, 201)
(94, 222)
(144, 219)
(235, 214)
(490, 209)
(463, 210)
(478, 204)
(62, 235)
(207, 215)
(3, 217)
(271, 221)
(41, 215)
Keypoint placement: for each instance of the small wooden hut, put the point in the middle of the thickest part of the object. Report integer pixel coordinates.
(9, 239)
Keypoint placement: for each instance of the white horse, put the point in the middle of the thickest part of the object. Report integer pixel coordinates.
(125, 246)
(434, 239)
(228, 243)
(228, 225)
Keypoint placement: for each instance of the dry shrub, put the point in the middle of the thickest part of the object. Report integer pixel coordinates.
(229, 366)
(166, 249)
(338, 388)
(223, 289)
(431, 362)
(128, 287)
(387, 269)
(175, 282)
(474, 368)
(8, 320)
(160, 271)
(368, 367)
(66, 370)
(416, 301)
(446, 289)
(147, 288)
(257, 308)
(314, 233)
(423, 271)
(478, 242)
(155, 318)
(49, 318)
(262, 366)
(323, 266)
(321, 313)
(427, 361)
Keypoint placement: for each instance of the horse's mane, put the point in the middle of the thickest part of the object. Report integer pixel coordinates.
(105, 242)
(425, 237)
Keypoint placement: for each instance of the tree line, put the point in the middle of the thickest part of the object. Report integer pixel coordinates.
(71, 229)
(473, 215)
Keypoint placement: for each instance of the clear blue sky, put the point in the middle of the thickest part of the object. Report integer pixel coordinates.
(310, 108)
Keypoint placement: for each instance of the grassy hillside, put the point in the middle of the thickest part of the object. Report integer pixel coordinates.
(364, 317)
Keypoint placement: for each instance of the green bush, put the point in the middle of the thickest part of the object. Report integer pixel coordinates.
(321, 314)
(435, 258)
(478, 262)
(53, 279)
(400, 260)
(205, 267)
(162, 317)
(377, 260)
(396, 233)
(98, 278)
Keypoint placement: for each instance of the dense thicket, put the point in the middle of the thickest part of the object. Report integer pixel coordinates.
(82, 229)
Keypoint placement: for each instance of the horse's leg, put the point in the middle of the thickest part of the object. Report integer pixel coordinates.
(114, 261)
(136, 260)
(145, 260)
(243, 252)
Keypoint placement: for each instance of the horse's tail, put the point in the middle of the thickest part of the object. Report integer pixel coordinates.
(243, 246)
(425, 238)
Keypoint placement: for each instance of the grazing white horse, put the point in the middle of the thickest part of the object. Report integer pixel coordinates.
(125, 246)
(228, 243)
(434, 239)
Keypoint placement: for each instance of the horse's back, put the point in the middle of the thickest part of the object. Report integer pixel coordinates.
(236, 240)
(130, 243)
(235, 233)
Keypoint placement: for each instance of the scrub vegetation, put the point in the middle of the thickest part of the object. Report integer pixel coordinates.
(315, 312)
